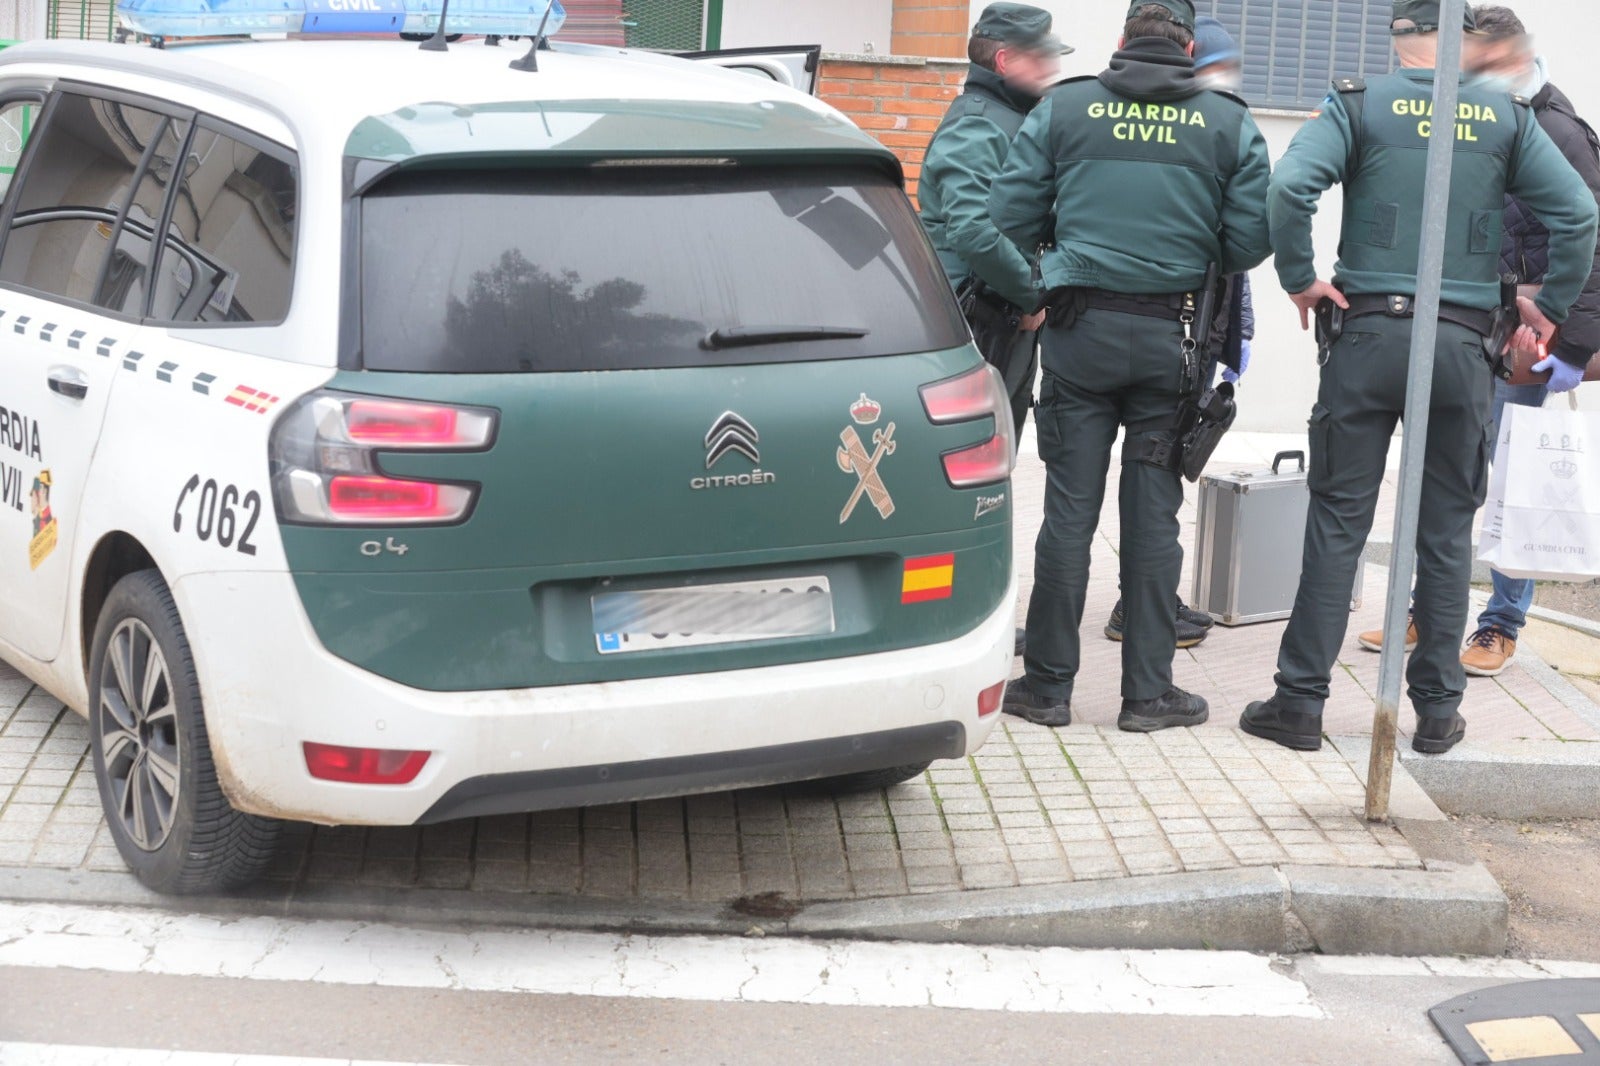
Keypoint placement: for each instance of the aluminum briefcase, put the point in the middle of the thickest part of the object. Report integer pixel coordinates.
(1249, 540)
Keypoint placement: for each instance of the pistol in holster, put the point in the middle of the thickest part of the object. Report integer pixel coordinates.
(1184, 445)
(1330, 327)
(1504, 323)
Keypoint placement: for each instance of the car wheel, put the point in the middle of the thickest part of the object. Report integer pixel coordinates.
(870, 780)
(152, 761)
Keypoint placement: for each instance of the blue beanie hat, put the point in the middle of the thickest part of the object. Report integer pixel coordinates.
(1213, 43)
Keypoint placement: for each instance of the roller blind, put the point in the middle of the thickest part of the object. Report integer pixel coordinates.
(1294, 49)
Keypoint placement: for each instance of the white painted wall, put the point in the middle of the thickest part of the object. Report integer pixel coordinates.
(22, 20)
(837, 25)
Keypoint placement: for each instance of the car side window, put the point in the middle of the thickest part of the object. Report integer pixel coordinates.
(17, 121)
(229, 249)
(64, 238)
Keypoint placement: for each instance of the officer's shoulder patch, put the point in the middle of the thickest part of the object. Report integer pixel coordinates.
(1350, 85)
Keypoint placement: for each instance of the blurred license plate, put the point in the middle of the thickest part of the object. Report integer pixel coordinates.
(734, 613)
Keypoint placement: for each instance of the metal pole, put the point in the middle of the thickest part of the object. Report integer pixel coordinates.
(1419, 394)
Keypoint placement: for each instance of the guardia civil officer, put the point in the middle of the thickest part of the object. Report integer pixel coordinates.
(1372, 138)
(1014, 59)
(1141, 181)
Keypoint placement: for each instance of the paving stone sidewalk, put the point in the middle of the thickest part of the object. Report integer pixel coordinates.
(1034, 807)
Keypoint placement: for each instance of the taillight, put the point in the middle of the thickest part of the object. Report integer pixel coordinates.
(989, 699)
(325, 460)
(363, 766)
(979, 393)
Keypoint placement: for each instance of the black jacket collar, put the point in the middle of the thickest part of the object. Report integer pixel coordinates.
(1153, 69)
(986, 82)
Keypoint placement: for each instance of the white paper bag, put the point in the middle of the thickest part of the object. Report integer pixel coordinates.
(1542, 516)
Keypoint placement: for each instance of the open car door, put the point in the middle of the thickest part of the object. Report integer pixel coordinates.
(793, 65)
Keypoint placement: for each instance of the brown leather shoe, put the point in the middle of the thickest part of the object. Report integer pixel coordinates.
(1372, 640)
(1488, 652)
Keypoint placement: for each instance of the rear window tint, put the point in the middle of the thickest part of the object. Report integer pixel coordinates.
(636, 267)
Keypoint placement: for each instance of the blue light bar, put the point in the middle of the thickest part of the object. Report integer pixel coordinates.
(212, 18)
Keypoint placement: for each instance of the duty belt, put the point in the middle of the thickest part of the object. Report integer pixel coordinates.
(1362, 306)
(1151, 305)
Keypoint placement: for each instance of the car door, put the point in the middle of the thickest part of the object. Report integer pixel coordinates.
(793, 65)
(73, 273)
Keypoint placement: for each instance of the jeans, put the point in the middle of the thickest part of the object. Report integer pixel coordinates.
(1508, 606)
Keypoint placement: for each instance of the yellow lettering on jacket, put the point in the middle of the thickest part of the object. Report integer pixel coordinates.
(1464, 113)
(1146, 123)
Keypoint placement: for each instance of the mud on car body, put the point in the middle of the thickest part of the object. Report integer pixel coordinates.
(607, 432)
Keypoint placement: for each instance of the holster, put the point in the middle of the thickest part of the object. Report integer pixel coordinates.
(1209, 419)
(1330, 327)
(1507, 317)
(1063, 305)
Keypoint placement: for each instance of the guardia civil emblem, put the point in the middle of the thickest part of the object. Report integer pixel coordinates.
(853, 459)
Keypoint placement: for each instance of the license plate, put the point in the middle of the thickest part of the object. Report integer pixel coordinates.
(733, 613)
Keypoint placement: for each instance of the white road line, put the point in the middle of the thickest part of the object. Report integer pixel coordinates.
(14, 1054)
(774, 970)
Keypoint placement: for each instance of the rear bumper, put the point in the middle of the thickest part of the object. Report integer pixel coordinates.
(269, 685)
(588, 786)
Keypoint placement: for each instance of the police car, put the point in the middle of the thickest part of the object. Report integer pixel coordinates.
(391, 435)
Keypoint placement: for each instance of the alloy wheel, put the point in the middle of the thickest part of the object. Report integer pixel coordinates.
(136, 725)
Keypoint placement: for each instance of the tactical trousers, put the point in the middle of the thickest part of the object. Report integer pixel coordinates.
(1020, 371)
(1107, 370)
(1361, 400)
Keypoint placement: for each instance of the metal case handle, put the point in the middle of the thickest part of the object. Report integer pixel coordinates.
(1277, 460)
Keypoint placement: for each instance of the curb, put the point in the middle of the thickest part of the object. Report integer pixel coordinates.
(1531, 779)
(1451, 906)
(1513, 779)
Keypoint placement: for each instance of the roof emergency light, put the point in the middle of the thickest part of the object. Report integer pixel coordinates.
(211, 18)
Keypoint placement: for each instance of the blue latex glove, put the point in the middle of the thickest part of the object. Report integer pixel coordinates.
(1564, 377)
(1228, 373)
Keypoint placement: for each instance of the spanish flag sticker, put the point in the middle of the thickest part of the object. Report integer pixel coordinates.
(928, 578)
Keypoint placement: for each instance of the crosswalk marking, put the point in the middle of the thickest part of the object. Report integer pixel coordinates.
(726, 969)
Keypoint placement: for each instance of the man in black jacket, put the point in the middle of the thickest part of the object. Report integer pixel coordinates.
(1504, 55)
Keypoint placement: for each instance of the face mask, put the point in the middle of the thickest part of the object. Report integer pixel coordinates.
(1500, 83)
(1222, 83)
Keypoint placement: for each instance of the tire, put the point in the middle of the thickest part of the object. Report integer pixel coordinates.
(869, 780)
(152, 760)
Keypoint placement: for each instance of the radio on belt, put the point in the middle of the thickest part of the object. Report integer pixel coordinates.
(212, 18)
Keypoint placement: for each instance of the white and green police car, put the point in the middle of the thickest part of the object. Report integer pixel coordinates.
(392, 435)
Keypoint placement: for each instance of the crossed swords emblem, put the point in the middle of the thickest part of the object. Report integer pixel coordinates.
(853, 458)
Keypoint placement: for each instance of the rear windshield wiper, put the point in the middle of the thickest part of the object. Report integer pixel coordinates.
(747, 336)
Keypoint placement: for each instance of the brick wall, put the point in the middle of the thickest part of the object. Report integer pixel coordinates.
(930, 28)
(897, 99)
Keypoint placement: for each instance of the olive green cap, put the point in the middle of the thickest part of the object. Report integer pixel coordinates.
(1425, 16)
(1019, 26)
(1182, 11)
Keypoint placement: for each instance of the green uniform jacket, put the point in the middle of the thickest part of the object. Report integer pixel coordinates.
(1499, 150)
(966, 153)
(1140, 178)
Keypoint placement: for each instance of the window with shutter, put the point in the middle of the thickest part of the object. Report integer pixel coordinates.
(673, 25)
(1294, 49)
(90, 20)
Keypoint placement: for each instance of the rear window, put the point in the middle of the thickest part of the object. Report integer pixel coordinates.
(617, 268)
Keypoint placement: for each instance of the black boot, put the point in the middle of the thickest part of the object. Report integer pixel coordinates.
(1300, 730)
(1435, 736)
(1176, 708)
(1187, 632)
(1023, 702)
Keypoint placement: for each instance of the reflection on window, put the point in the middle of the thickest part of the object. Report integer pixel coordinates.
(79, 183)
(607, 270)
(229, 252)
